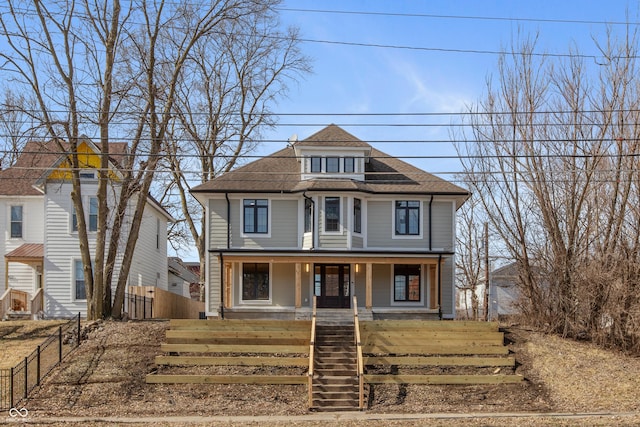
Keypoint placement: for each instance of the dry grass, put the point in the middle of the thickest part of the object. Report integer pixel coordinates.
(19, 338)
(105, 376)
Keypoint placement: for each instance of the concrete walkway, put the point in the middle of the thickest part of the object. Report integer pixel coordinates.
(336, 418)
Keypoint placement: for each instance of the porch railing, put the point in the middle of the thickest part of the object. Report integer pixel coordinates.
(37, 302)
(13, 299)
(311, 350)
(360, 361)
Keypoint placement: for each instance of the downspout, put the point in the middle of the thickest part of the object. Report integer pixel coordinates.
(440, 286)
(430, 225)
(221, 286)
(313, 215)
(226, 196)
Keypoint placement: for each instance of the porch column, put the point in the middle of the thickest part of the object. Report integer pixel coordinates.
(369, 286)
(228, 281)
(298, 285)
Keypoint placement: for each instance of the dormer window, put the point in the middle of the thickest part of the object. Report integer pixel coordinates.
(333, 164)
(87, 175)
(349, 165)
(316, 164)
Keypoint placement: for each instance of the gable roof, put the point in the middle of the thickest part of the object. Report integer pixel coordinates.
(35, 160)
(280, 172)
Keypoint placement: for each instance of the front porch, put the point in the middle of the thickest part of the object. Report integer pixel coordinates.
(281, 286)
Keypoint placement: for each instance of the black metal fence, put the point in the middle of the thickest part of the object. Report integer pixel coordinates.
(138, 306)
(16, 383)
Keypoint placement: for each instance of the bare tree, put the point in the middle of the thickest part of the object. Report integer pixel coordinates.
(236, 76)
(110, 69)
(554, 168)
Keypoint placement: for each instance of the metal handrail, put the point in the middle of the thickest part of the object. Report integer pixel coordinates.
(311, 350)
(360, 361)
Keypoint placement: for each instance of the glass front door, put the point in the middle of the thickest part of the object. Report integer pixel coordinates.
(331, 285)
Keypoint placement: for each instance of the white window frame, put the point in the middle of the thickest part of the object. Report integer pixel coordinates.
(22, 210)
(240, 284)
(86, 205)
(324, 215)
(74, 279)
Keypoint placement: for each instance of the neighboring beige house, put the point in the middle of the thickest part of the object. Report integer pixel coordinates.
(40, 240)
(330, 216)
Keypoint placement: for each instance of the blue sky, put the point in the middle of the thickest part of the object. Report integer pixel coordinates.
(355, 79)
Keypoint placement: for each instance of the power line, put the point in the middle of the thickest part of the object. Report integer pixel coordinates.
(460, 17)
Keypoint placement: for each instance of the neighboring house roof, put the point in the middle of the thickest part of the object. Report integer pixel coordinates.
(179, 269)
(35, 159)
(26, 251)
(280, 172)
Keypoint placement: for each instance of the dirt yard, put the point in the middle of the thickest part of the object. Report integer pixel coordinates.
(105, 377)
(19, 338)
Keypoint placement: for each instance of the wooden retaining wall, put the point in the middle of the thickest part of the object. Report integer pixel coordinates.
(244, 343)
(411, 346)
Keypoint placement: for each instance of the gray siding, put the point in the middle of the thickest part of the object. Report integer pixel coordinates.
(284, 227)
(214, 285)
(448, 288)
(217, 223)
(442, 225)
(333, 240)
(378, 223)
(357, 242)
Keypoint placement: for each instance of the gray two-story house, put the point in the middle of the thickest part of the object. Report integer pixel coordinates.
(333, 217)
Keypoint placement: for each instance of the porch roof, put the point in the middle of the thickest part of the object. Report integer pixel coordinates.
(338, 257)
(29, 252)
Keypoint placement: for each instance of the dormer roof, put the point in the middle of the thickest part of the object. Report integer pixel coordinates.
(280, 173)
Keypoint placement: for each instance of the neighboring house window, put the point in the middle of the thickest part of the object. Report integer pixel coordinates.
(16, 222)
(349, 165)
(332, 214)
(333, 164)
(256, 215)
(93, 214)
(255, 281)
(316, 164)
(408, 217)
(79, 291)
(308, 215)
(357, 215)
(87, 175)
(406, 283)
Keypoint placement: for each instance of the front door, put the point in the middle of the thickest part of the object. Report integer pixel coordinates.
(331, 285)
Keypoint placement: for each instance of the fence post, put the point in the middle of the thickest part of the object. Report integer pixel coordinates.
(11, 389)
(79, 335)
(144, 306)
(151, 309)
(38, 367)
(26, 377)
(59, 344)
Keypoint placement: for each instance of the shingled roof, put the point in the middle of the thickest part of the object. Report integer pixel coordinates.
(36, 158)
(280, 173)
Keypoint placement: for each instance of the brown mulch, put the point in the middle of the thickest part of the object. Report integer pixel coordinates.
(105, 376)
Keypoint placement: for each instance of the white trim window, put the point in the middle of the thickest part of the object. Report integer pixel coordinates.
(92, 215)
(332, 214)
(256, 282)
(255, 216)
(357, 215)
(407, 217)
(79, 290)
(16, 219)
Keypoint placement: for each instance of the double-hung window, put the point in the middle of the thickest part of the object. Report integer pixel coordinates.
(332, 214)
(406, 283)
(16, 222)
(78, 272)
(333, 164)
(256, 216)
(308, 215)
(349, 165)
(93, 216)
(407, 218)
(255, 282)
(316, 164)
(357, 216)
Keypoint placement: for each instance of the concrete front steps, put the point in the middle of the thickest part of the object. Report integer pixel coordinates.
(335, 381)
